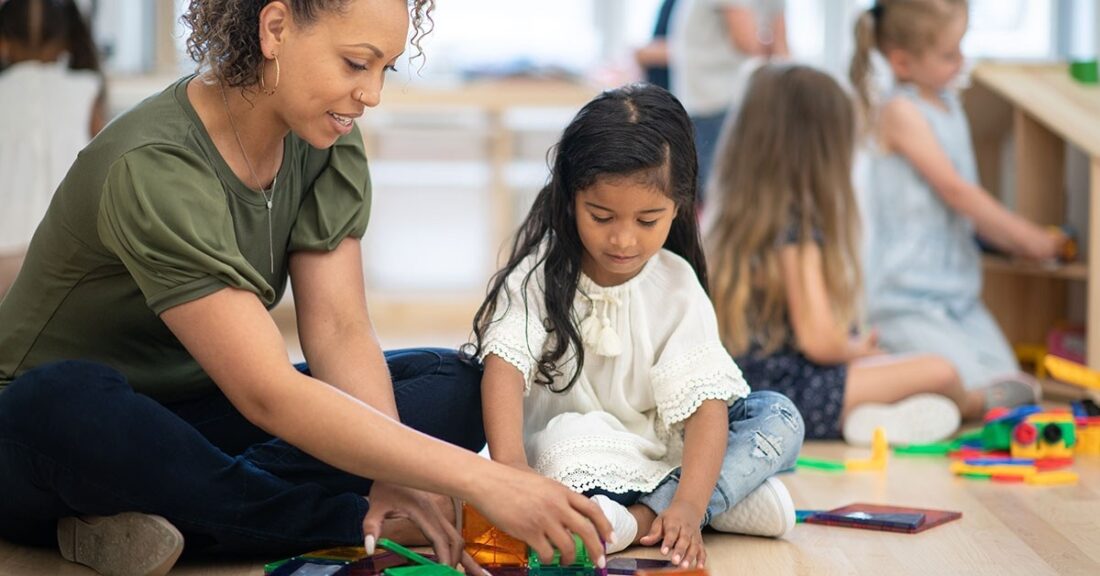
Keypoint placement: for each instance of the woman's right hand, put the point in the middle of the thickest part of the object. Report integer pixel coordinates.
(543, 513)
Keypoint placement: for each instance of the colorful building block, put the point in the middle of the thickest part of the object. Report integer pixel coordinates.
(424, 566)
(880, 455)
(1055, 478)
(1088, 436)
(582, 565)
(488, 545)
(1044, 435)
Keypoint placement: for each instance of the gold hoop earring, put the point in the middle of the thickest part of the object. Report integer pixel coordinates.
(263, 87)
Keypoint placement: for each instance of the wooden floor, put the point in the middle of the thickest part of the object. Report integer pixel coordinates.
(1005, 529)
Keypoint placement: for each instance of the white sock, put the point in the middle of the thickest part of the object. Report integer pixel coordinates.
(622, 523)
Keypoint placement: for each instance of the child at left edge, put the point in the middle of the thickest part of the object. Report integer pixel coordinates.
(603, 364)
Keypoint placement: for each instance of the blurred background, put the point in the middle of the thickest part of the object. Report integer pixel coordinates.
(458, 147)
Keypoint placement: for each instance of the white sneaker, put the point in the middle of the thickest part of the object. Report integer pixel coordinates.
(918, 419)
(128, 544)
(1012, 391)
(622, 522)
(766, 511)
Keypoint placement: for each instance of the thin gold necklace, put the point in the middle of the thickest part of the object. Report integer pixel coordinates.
(268, 194)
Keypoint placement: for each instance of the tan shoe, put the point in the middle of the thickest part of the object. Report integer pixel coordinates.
(128, 544)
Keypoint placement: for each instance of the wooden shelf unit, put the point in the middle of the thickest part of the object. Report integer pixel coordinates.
(1043, 109)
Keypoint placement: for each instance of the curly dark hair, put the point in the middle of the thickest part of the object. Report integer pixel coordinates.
(223, 32)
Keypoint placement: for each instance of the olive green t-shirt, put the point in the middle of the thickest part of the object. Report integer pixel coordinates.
(149, 217)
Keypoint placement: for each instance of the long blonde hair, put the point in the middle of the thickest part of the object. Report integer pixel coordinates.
(783, 164)
(909, 25)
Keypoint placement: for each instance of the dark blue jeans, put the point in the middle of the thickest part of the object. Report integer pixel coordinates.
(76, 440)
(708, 130)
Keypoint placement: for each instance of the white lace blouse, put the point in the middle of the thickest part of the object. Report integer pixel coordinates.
(652, 356)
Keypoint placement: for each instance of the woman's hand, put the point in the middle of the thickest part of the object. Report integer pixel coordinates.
(543, 513)
(678, 530)
(427, 512)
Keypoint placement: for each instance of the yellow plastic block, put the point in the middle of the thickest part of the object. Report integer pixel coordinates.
(1071, 372)
(1088, 440)
(998, 469)
(1052, 478)
(1032, 354)
(880, 455)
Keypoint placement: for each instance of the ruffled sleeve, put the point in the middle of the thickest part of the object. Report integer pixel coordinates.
(163, 213)
(694, 366)
(337, 204)
(517, 334)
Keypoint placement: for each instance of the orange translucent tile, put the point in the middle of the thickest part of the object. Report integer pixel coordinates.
(489, 545)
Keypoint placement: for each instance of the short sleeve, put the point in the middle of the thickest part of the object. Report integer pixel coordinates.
(517, 334)
(163, 213)
(693, 365)
(337, 203)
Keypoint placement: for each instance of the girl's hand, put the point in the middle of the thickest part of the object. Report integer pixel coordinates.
(866, 344)
(1044, 244)
(426, 511)
(677, 528)
(1056, 245)
(543, 513)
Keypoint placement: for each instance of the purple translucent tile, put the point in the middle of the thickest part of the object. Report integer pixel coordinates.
(623, 565)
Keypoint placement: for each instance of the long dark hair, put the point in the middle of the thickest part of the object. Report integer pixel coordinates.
(36, 23)
(638, 129)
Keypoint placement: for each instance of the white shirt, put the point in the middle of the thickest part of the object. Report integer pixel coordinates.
(45, 115)
(620, 427)
(707, 72)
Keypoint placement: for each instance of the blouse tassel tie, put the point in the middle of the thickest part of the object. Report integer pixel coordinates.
(596, 330)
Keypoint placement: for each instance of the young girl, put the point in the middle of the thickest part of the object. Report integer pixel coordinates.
(52, 90)
(603, 367)
(785, 277)
(923, 269)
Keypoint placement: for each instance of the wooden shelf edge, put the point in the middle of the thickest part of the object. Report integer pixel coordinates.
(1072, 271)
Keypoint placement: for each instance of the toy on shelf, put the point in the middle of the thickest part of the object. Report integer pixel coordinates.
(880, 455)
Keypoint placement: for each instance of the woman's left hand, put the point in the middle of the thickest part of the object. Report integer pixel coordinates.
(677, 528)
(426, 511)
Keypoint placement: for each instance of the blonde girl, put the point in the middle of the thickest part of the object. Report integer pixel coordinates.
(923, 268)
(785, 278)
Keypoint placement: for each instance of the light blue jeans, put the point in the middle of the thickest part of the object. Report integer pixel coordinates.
(765, 436)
